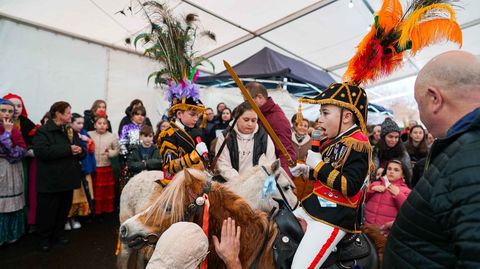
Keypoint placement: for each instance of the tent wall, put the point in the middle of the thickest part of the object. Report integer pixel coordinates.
(44, 67)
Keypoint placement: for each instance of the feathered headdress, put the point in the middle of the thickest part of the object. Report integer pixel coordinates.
(394, 32)
(170, 41)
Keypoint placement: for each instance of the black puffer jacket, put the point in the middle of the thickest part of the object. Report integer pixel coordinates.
(439, 224)
(57, 169)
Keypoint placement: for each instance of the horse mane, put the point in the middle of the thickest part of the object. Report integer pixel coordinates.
(224, 204)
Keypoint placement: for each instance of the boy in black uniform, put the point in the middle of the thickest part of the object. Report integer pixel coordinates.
(181, 144)
(339, 170)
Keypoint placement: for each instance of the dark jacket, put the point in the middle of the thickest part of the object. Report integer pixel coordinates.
(259, 146)
(137, 163)
(89, 120)
(439, 224)
(27, 127)
(57, 169)
(280, 124)
(127, 119)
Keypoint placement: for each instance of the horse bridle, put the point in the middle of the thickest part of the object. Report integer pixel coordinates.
(195, 206)
(280, 190)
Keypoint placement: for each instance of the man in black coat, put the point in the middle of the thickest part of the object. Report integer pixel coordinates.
(58, 150)
(439, 224)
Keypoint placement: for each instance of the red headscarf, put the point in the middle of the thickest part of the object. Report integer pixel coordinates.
(11, 96)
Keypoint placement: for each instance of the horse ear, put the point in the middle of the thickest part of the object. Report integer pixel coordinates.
(275, 165)
(188, 176)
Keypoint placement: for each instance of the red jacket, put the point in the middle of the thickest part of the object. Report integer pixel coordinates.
(383, 207)
(280, 124)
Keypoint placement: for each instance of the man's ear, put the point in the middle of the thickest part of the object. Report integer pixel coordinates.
(435, 98)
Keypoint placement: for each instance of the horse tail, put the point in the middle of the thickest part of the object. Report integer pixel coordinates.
(379, 240)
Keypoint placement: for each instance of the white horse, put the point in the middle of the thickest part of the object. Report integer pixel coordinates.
(249, 185)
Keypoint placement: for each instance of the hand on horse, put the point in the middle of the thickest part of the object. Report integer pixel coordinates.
(229, 248)
(299, 169)
(313, 158)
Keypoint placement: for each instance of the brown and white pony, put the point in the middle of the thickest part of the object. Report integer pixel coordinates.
(172, 206)
(143, 187)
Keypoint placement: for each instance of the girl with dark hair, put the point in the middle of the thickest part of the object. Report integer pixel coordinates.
(89, 115)
(59, 152)
(249, 142)
(127, 119)
(386, 195)
(416, 145)
(223, 122)
(220, 107)
(390, 147)
(80, 203)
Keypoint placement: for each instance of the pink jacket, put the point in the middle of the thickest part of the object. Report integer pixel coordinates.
(383, 207)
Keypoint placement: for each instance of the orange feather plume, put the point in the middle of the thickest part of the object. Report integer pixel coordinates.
(390, 14)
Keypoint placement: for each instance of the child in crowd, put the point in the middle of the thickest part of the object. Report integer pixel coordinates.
(80, 206)
(106, 147)
(129, 140)
(12, 150)
(145, 156)
(385, 196)
(162, 125)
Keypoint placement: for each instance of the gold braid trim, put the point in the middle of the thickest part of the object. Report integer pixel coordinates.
(360, 146)
(331, 177)
(317, 169)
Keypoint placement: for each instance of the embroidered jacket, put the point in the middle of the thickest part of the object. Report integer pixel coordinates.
(339, 179)
(177, 148)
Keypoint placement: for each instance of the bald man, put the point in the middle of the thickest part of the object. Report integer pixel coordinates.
(439, 224)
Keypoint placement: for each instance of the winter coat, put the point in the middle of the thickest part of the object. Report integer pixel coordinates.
(280, 124)
(382, 207)
(137, 163)
(127, 119)
(102, 142)
(89, 164)
(438, 225)
(246, 147)
(58, 169)
(301, 148)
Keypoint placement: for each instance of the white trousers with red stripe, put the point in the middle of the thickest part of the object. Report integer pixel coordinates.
(317, 243)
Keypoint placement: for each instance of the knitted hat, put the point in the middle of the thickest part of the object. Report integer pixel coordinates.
(389, 126)
(183, 246)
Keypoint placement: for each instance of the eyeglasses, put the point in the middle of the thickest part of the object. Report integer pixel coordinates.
(4, 110)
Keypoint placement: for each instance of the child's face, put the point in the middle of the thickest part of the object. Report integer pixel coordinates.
(6, 112)
(101, 126)
(18, 107)
(77, 124)
(394, 171)
(329, 120)
(417, 134)
(146, 140)
(164, 125)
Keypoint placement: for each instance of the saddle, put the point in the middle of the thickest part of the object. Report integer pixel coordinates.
(351, 248)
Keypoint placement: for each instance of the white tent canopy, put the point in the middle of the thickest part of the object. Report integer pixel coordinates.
(76, 49)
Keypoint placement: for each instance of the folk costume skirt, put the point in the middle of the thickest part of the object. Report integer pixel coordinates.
(104, 189)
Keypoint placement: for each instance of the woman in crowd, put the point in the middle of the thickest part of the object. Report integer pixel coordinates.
(222, 123)
(375, 136)
(162, 125)
(89, 115)
(59, 152)
(220, 107)
(386, 195)
(248, 143)
(301, 140)
(12, 149)
(127, 119)
(28, 129)
(416, 145)
(80, 206)
(106, 147)
(390, 147)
